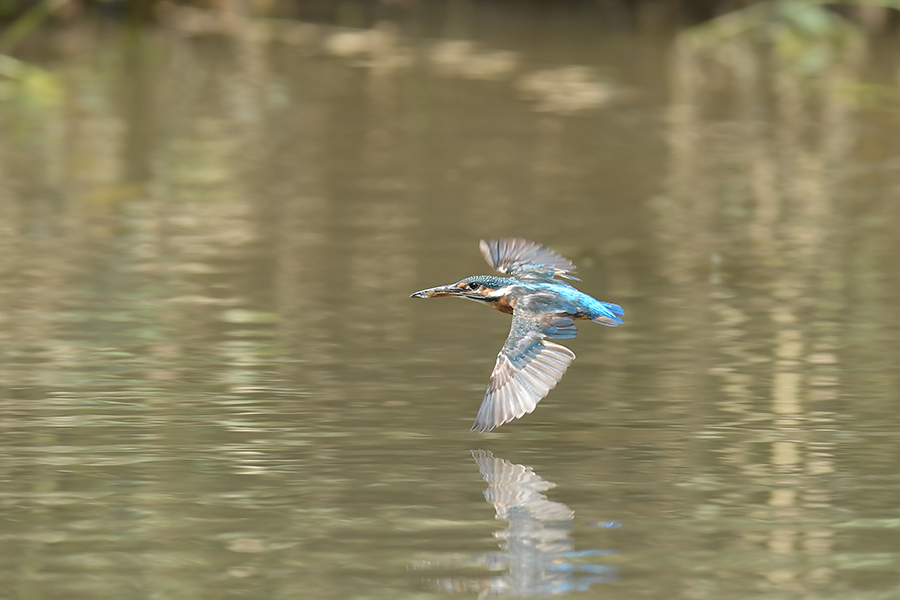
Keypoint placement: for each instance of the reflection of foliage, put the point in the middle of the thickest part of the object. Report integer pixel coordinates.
(566, 89)
(27, 84)
(30, 20)
(811, 37)
(30, 85)
(805, 34)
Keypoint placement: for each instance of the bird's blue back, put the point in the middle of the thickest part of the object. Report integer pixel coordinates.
(566, 298)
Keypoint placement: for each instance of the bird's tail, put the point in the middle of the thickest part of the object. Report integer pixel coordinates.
(607, 313)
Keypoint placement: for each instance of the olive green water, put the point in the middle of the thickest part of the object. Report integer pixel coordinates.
(214, 385)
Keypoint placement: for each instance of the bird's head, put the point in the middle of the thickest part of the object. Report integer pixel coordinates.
(477, 287)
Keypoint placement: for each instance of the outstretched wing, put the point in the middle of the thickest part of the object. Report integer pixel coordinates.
(515, 256)
(527, 367)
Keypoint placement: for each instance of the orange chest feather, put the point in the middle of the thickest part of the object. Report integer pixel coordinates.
(504, 305)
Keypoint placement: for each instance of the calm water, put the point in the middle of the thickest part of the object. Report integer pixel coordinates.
(214, 385)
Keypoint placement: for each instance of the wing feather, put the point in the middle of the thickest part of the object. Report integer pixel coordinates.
(527, 368)
(518, 257)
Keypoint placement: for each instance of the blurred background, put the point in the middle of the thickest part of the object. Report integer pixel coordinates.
(213, 383)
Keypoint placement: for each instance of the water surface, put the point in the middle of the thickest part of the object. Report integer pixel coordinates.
(213, 383)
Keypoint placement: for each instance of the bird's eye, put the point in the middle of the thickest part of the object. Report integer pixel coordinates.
(474, 286)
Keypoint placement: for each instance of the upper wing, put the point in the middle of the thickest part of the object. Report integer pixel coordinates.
(515, 256)
(527, 367)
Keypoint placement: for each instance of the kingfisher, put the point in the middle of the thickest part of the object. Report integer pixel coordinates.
(542, 306)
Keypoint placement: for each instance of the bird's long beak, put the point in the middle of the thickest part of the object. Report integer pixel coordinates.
(436, 292)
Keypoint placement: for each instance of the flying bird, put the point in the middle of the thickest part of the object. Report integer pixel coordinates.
(542, 306)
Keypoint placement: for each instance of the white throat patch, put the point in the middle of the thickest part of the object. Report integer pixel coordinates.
(500, 292)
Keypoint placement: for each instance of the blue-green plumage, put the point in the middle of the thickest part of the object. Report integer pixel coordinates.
(528, 367)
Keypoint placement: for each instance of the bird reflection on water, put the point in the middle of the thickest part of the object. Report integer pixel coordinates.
(537, 552)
